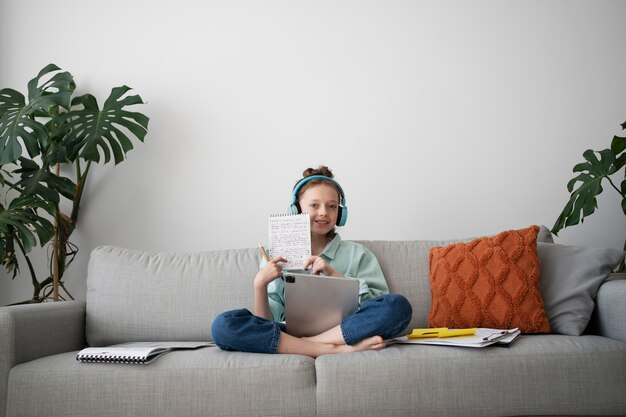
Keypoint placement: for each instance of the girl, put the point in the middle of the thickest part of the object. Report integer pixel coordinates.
(380, 315)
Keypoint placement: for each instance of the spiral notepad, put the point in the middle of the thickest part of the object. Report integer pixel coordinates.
(133, 353)
(290, 237)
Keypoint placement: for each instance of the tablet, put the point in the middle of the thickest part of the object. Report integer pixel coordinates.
(316, 303)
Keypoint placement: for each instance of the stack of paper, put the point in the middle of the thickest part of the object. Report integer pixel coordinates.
(474, 337)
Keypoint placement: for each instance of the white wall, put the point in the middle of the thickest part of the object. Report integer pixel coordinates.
(441, 119)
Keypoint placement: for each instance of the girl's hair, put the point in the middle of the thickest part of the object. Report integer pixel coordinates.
(321, 170)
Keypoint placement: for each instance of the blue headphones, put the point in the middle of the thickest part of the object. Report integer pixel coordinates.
(342, 213)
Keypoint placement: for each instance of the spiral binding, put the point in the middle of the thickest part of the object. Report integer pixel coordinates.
(111, 359)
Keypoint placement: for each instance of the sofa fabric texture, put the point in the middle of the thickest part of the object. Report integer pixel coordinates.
(138, 296)
(193, 383)
(537, 375)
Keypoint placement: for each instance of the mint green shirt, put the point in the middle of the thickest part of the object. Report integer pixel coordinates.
(351, 259)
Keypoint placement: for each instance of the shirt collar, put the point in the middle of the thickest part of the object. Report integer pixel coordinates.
(331, 249)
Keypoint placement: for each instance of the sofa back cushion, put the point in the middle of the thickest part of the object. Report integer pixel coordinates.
(406, 270)
(138, 296)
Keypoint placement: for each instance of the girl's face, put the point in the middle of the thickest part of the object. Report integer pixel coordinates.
(321, 201)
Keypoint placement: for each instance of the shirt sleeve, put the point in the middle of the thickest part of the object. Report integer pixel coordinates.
(370, 276)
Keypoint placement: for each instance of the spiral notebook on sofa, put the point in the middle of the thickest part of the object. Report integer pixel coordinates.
(135, 352)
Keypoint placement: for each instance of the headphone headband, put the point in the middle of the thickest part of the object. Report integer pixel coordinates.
(342, 215)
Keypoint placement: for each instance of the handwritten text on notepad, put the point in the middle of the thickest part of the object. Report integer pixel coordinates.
(290, 237)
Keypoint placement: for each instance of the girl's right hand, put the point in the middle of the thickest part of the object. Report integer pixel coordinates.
(270, 272)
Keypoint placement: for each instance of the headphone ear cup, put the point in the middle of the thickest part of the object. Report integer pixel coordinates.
(342, 216)
(294, 209)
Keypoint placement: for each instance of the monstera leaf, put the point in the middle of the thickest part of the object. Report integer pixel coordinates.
(582, 202)
(18, 117)
(40, 181)
(92, 129)
(21, 220)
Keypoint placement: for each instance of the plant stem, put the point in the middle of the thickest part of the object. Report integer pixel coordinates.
(33, 276)
(55, 261)
(55, 251)
(616, 189)
(65, 289)
(80, 186)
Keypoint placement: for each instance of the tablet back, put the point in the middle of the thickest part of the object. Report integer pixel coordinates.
(316, 303)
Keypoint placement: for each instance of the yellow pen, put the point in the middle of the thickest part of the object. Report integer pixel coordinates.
(457, 332)
(440, 332)
(267, 258)
(424, 333)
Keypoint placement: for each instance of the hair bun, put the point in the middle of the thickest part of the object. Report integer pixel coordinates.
(321, 170)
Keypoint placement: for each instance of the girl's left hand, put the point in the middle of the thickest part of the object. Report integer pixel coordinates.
(319, 266)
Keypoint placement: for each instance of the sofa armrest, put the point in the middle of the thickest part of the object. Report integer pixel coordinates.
(33, 331)
(611, 310)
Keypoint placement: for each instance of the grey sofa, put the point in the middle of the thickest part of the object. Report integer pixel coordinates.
(138, 296)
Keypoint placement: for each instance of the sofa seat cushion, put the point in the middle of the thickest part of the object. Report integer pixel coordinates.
(191, 383)
(536, 375)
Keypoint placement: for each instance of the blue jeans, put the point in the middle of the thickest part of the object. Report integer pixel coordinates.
(240, 330)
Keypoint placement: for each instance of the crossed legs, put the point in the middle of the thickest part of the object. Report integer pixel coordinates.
(366, 329)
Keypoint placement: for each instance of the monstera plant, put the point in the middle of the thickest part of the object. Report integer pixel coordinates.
(607, 164)
(40, 134)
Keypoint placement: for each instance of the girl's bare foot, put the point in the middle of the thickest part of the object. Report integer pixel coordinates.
(303, 346)
(371, 343)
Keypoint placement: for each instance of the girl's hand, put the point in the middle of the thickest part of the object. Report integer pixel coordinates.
(270, 272)
(319, 266)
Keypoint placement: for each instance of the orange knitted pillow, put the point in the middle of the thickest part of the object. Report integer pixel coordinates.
(489, 282)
